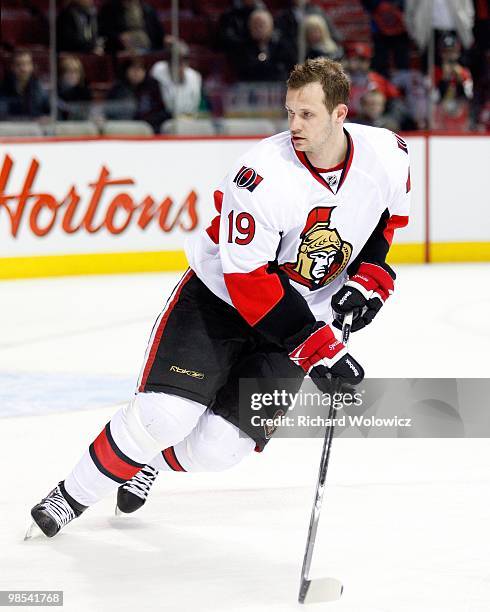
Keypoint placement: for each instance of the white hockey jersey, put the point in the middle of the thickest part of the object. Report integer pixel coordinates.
(279, 216)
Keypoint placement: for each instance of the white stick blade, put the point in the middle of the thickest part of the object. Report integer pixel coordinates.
(324, 589)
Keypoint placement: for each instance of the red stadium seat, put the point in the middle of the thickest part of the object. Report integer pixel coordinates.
(20, 28)
(151, 58)
(214, 7)
(192, 29)
(42, 5)
(40, 57)
(189, 6)
(4, 64)
(207, 62)
(97, 68)
(276, 6)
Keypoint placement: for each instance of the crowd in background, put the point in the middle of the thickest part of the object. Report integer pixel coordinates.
(400, 80)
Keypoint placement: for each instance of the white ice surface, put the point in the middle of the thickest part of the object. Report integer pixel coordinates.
(405, 523)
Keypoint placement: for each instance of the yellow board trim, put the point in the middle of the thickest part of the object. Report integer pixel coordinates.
(440, 252)
(459, 251)
(170, 261)
(92, 263)
(407, 253)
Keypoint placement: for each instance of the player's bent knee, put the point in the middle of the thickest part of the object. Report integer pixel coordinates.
(217, 460)
(217, 445)
(166, 418)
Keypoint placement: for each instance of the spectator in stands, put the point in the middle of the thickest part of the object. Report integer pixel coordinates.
(480, 65)
(483, 118)
(389, 34)
(454, 88)
(364, 79)
(136, 96)
(265, 56)
(183, 95)
(373, 111)
(289, 19)
(76, 28)
(232, 25)
(413, 103)
(21, 94)
(130, 25)
(319, 41)
(74, 96)
(442, 16)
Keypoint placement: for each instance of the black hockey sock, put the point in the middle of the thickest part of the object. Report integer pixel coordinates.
(75, 506)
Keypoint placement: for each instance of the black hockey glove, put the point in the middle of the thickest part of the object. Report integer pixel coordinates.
(327, 361)
(363, 294)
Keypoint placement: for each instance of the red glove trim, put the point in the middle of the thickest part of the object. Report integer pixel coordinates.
(374, 278)
(322, 344)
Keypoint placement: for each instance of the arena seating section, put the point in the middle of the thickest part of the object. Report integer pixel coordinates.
(24, 23)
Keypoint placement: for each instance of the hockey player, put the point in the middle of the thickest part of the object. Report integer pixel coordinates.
(304, 222)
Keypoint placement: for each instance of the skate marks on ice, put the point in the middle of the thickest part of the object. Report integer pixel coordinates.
(405, 527)
(397, 543)
(88, 324)
(69, 333)
(479, 599)
(115, 314)
(395, 548)
(38, 393)
(218, 550)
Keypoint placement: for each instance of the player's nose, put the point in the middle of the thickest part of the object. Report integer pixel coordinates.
(294, 125)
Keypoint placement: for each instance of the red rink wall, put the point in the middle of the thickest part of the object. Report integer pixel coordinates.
(103, 205)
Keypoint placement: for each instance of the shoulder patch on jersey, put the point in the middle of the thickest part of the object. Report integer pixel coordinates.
(247, 178)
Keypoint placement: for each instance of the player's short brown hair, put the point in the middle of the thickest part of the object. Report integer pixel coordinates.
(331, 76)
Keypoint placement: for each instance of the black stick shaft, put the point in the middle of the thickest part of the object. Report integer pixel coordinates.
(320, 486)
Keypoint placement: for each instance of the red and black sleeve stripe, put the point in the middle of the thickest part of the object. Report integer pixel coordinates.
(109, 458)
(378, 244)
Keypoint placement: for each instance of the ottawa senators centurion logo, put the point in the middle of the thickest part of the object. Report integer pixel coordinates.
(322, 254)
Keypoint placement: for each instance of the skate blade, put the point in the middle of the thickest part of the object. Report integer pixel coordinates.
(322, 590)
(117, 512)
(33, 531)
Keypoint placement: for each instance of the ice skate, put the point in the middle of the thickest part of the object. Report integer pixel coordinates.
(53, 512)
(132, 495)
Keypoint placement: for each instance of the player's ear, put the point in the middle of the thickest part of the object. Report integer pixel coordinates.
(340, 113)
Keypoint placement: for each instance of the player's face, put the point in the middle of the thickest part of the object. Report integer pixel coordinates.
(321, 264)
(310, 123)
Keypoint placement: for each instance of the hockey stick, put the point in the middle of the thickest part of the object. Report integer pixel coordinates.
(321, 589)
